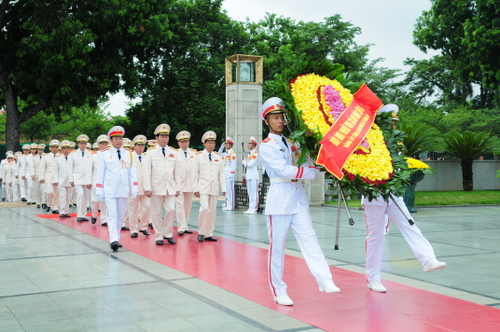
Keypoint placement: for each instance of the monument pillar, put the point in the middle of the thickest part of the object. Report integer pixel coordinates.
(244, 78)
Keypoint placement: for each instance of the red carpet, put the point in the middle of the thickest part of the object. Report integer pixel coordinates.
(242, 270)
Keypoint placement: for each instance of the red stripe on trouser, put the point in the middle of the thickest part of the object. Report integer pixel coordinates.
(269, 257)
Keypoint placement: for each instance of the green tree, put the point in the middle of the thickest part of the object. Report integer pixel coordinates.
(55, 55)
(467, 34)
(421, 138)
(189, 93)
(283, 41)
(468, 146)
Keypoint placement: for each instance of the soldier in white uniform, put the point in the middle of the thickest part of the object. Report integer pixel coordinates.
(41, 187)
(82, 176)
(4, 162)
(159, 185)
(376, 213)
(252, 176)
(62, 178)
(116, 181)
(45, 177)
(8, 175)
(230, 171)
(21, 170)
(139, 207)
(33, 162)
(102, 143)
(208, 177)
(184, 179)
(287, 205)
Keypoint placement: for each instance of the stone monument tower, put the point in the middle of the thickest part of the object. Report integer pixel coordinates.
(244, 78)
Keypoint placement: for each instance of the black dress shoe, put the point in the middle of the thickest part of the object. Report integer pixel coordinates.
(67, 215)
(29, 203)
(55, 212)
(125, 228)
(159, 242)
(114, 245)
(120, 245)
(44, 206)
(79, 219)
(211, 238)
(181, 233)
(93, 220)
(133, 235)
(105, 224)
(38, 206)
(201, 238)
(23, 199)
(187, 231)
(85, 219)
(151, 226)
(145, 232)
(171, 240)
(61, 215)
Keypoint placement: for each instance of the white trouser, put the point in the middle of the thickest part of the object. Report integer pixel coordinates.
(139, 212)
(375, 212)
(29, 190)
(116, 208)
(206, 216)
(15, 192)
(305, 235)
(64, 198)
(8, 192)
(230, 195)
(82, 200)
(183, 204)
(164, 227)
(36, 193)
(23, 187)
(4, 190)
(253, 194)
(52, 196)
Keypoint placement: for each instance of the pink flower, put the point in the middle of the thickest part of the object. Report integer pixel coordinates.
(333, 100)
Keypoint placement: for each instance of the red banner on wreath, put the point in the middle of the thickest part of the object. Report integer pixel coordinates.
(348, 131)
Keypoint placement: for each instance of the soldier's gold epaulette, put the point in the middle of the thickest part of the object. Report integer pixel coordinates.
(199, 152)
(266, 140)
(46, 154)
(106, 149)
(194, 150)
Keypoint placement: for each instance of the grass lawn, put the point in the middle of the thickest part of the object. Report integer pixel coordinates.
(427, 198)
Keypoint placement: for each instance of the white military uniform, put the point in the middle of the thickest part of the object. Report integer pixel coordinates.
(139, 209)
(32, 175)
(375, 213)
(82, 178)
(287, 206)
(21, 171)
(159, 178)
(116, 180)
(184, 181)
(45, 174)
(3, 194)
(63, 177)
(230, 164)
(252, 177)
(208, 178)
(8, 179)
(95, 203)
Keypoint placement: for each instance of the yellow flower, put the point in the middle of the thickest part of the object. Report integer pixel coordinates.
(415, 163)
(309, 97)
(376, 165)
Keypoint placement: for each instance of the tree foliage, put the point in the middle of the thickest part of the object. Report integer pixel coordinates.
(467, 32)
(283, 42)
(421, 138)
(56, 55)
(189, 93)
(468, 146)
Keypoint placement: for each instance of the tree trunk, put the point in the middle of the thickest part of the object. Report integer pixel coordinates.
(467, 176)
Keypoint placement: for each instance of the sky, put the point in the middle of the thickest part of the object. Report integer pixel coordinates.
(387, 24)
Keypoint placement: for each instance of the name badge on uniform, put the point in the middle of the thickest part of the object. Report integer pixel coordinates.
(282, 150)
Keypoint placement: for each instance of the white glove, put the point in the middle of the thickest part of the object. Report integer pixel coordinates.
(244, 163)
(134, 194)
